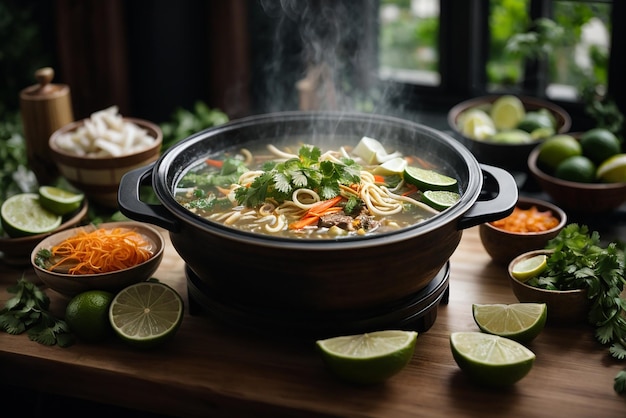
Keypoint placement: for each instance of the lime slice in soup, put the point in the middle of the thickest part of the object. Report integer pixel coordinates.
(429, 179)
(440, 199)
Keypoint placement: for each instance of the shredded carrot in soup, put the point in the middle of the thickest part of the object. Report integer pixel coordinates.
(527, 220)
(102, 251)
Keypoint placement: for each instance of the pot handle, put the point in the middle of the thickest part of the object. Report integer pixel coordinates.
(130, 204)
(497, 198)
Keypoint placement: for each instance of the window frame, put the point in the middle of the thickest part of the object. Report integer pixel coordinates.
(464, 46)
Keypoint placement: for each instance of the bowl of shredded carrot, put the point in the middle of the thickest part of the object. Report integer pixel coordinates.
(530, 226)
(108, 256)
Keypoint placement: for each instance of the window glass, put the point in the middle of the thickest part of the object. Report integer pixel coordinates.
(581, 60)
(569, 47)
(408, 47)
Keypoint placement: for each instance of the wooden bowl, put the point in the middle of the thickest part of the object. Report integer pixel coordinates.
(16, 251)
(503, 246)
(574, 196)
(70, 284)
(508, 156)
(564, 306)
(99, 178)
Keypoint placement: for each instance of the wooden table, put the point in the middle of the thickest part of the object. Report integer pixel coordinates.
(211, 370)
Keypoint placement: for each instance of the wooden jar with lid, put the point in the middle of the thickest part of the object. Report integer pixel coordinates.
(45, 107)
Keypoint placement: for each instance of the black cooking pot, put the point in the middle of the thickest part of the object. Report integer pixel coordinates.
(318, 275)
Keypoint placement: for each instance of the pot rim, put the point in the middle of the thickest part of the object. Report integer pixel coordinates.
(164, 165)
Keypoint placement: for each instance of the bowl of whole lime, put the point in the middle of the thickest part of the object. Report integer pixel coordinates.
(582, 172)
(501, 130)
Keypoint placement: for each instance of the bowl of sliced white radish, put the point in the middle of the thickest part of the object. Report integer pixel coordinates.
(94, 153)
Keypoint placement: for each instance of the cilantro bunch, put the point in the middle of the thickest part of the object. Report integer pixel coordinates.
(28, 312)
(279, 180)
(580, 261)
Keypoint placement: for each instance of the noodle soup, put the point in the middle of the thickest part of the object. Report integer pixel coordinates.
(304, 191)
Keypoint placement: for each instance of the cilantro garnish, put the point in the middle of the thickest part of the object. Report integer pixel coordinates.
(580, 261)
(279, 180)
(28, 312)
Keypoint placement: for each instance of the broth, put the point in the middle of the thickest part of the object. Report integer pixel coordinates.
(308, 192)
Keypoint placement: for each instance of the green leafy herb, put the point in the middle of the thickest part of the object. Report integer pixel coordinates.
(28, 312)
(579, 261)
(280, 180)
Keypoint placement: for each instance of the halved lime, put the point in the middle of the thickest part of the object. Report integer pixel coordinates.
(490, 359)
(429, 179)
(146, 314)
(613, 169)
(58, 200)
(507, 112)
(23, 215)
(521, 322)
(440, 199)
(530, 267)
(368, 358)
(476, 123)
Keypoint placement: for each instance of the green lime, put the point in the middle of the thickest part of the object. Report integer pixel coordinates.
(536, 120)
(599, 144)
(476, 124)
(59, 201)
(577, 168)
(507, 112)
(489, 359)
(556, 149)
(440, 199)
(146, 314)
(521, 322)
(22, 215)
(513, 136)
(87, 315)
(613, 169)
(368, 358)
(530, 267)
(429, 179)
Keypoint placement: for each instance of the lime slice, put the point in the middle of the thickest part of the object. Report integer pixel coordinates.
(507, 112)
(58, 200)
(521, 322)
(613, 169)
(429, 179)
(529, 267)
(368, 358)
(476, 124)
(146, 314)
(440, 199)
(512, 136)
(23, 215)
(489, 359)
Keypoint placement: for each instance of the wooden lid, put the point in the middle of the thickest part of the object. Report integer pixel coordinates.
(45, 89)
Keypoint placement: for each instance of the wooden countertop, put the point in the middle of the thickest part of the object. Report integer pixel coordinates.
(211, 370)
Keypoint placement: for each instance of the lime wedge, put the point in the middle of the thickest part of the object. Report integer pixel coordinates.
(440, 199)
(429, 179)
(530, 267)
(23, 215)
(58, 200)
(489, 359)
(390, 167)
(507, 112)
(613, 169)
(146, 314)
(368, 358)
(521, 322)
